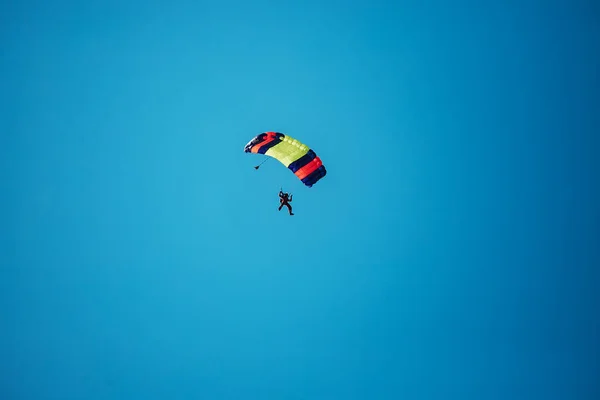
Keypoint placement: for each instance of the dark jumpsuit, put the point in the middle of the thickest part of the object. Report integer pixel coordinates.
(284, 201)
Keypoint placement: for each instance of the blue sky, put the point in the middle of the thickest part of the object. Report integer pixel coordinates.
(450, 252)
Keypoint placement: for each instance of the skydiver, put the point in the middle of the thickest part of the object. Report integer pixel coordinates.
(284, 200)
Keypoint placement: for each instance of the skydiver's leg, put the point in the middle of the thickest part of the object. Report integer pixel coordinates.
(289, 208)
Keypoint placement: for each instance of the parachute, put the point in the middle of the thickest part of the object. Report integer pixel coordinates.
(296, 156)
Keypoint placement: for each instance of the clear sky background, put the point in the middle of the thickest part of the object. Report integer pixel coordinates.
(452, 251)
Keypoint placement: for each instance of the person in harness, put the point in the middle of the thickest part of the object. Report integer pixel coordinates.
(284, 200)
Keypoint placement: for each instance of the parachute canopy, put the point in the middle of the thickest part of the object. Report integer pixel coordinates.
(296, 156)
